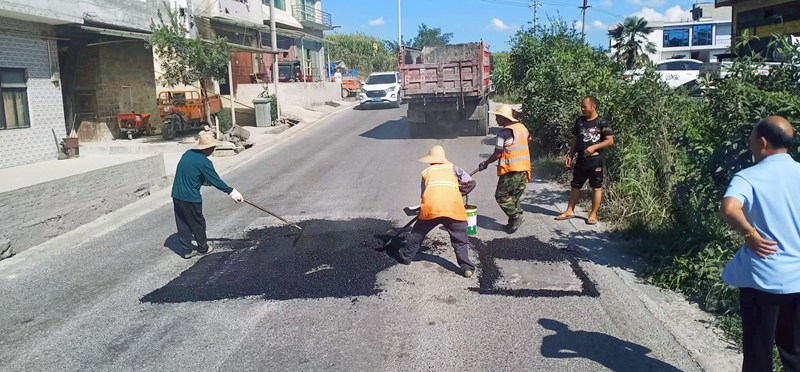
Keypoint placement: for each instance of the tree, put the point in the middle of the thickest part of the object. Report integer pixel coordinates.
(362, 52)
(185, 60)
(630, 41)
(430, 36)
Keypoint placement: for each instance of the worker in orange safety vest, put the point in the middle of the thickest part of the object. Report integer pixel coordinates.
(443, 185)
(513, 165)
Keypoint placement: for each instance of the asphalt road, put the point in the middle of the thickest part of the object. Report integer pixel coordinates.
(124, 301)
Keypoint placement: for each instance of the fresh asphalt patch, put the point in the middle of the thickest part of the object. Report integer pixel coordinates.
(332, 259)
(534, 252)
(337, 259)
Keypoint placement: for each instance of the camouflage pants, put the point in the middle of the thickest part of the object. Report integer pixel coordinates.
(510, 188)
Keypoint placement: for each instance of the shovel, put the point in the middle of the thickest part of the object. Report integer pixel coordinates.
(280, 218)
(410, 211)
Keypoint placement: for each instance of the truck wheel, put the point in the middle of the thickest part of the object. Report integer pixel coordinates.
(345, 93)
(168, 131)
(398, 102)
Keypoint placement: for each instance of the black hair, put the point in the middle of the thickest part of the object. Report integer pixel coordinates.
(594, 101)
(775, 136)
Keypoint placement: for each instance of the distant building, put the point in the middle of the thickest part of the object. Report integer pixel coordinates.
(763, 18)
(703, 36)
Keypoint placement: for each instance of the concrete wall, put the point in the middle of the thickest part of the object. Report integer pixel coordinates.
(124, 13)
(34, 214)
(22, 47)
(296, 94)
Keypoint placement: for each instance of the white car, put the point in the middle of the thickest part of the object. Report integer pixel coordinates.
(674, 72)
(381, 87)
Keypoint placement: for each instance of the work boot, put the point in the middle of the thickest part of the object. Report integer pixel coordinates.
(195, 252)
(514, 223)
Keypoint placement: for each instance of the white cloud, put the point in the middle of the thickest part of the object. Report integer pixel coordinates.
(597, 25)
(498, 24)
(648, 3)
(578, 25)
(377, 22)
(607, 4)
(672, 14)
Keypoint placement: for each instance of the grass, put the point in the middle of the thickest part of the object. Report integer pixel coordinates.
(549, 168)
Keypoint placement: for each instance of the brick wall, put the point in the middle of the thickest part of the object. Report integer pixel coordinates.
(22, 47)
(34, 214)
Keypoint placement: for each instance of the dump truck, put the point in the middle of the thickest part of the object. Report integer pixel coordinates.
(447, 86)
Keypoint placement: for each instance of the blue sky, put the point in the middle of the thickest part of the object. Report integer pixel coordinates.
(492, 20)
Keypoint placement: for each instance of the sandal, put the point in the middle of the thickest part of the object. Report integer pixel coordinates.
(563, 217)
(591, 222)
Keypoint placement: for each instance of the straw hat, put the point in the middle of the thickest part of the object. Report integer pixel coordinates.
(205, 141)
(435, 156)
(505, 111)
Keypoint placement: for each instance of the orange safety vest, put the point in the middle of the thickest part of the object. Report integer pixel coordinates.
(517, 157)
(441, 197)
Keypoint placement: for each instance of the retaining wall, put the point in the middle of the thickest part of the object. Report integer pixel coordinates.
(32, 215)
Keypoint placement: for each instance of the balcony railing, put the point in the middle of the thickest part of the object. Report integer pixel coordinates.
(311, 16)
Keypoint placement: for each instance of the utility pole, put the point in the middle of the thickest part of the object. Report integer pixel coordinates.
(274, 39)
(535, 5)
(583, 22)
(399, 25)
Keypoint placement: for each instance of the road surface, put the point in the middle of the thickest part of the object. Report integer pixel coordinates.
(123, 300)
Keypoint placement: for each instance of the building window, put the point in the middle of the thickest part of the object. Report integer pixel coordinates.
(703, 35)
(676, 38)
(284, 42)
(14, 95)
(279, 4)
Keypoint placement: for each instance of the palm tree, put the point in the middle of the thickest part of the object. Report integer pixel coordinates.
(630, 41)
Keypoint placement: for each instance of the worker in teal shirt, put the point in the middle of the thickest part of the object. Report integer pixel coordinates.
(195, 170)
(763, 204)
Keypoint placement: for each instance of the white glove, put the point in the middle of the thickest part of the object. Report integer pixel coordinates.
(236, 196)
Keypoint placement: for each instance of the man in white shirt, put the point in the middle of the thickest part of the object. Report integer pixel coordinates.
(337, 77)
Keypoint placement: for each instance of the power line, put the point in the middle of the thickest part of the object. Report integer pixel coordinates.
(506, 2)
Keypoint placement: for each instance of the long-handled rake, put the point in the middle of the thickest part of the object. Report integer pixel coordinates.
(267, 211)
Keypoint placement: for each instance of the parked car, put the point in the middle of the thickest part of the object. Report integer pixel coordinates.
(675, 72)
(381, 87)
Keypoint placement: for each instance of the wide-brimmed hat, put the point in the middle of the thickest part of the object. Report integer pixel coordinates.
(205, 141)
(435, 156)
(505, 111)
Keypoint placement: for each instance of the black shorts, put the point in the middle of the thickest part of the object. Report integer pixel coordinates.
(588, 169)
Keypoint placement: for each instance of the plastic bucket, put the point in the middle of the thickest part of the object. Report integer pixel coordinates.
(472, 219)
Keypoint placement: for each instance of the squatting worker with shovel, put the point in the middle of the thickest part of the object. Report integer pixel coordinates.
(762, 203)
(196, 170)
(593, 135)
(514, 165)
(443, 185)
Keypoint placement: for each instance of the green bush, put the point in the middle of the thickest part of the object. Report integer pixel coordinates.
(673, 155)
(225, 120)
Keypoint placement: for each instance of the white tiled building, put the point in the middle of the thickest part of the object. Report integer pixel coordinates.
(703, 36)
(31, 105)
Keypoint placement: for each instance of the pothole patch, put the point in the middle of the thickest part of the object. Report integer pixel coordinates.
(528, 267)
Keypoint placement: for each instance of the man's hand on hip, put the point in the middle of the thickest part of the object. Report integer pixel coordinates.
(568, 162)
(236, 196)
(761, 246)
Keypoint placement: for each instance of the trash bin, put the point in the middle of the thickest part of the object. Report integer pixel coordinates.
(263, 107)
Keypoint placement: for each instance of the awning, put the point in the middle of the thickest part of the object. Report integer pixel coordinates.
(243, 24)
(301, 35)
(281, 17)
(142, 36)
(111, 32)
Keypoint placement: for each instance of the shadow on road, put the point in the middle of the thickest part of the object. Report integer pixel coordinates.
(173, 242)
(331, 259)
(489, 223)
(400, 130)
(609, 351)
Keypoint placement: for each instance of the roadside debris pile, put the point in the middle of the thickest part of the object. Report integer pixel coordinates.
(234, 141)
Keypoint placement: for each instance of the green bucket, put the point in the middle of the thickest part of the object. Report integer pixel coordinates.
(472, 219)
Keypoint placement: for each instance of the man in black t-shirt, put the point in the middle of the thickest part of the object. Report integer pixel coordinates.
(593, 135)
